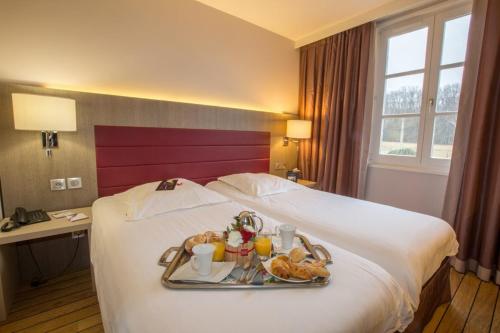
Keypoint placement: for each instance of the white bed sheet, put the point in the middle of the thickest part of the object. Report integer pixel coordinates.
(362, 297)
(409, 245)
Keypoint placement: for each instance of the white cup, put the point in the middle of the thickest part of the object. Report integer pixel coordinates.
(201, 261)
(287, 234)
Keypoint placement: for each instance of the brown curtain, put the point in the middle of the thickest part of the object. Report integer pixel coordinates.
(472, 202)
(333, 87)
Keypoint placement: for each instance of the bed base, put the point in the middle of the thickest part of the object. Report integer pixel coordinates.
(434, 293)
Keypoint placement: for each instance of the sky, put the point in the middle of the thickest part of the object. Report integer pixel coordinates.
(406, 52)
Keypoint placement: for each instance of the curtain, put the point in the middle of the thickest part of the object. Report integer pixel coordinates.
(472, 201)
(332, 93)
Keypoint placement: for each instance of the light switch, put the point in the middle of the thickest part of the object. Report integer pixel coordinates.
(58, 184)
(75, 182)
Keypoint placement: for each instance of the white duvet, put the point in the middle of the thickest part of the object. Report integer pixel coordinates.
(409, 245)
(362, 297)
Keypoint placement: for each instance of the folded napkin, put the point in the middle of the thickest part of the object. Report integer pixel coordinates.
(220, 270)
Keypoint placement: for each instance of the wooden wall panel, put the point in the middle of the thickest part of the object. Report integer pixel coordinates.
(25, 171)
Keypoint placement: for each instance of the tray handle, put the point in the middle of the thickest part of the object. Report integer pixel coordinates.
(324, 252)
(163, 259)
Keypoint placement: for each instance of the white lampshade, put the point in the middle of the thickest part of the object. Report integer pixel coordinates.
(43, 113)
(298, 129)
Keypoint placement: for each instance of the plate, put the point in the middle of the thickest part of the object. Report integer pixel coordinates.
(267, 266)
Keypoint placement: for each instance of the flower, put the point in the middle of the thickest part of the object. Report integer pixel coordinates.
(234, 238)
(247, 235)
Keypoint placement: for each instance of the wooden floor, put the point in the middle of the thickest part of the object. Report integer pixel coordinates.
(64, 304)
(68, 304)
(475, 307)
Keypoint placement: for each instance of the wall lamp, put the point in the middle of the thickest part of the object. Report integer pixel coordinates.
(47, 114)
(296, 130)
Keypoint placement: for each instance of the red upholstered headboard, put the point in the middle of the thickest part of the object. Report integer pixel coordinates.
(129, 156)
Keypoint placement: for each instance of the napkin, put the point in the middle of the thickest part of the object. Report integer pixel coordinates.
(220, 270)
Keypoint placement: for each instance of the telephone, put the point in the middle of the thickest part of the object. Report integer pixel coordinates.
(22, 217)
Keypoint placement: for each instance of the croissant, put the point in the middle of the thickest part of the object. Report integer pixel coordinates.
(300, 272)
(280, 268)
(317, 271)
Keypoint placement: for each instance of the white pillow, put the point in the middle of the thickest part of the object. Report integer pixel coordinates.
(144, 201)
(260, 184)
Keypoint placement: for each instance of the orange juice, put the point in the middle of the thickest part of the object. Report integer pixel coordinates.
(263, 246)
(220, 246)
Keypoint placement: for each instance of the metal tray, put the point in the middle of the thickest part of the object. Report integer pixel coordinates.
(182, 256)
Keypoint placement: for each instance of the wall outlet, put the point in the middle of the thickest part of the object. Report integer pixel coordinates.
(75, 182)
(78, 234)
(58, 184)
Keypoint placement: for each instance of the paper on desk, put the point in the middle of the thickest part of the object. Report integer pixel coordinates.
(77, 217)
(66, 213)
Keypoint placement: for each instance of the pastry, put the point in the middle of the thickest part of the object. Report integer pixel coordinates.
(299, 271)
(317, 263)
(198, 239)
(297, 255)
(317, 271)
(283, 258)
(280, 268)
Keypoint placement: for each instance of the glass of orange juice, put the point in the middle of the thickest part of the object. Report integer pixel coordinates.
(220, 247)
(263, 246)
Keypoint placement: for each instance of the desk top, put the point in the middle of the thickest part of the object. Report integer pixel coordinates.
(46, 229)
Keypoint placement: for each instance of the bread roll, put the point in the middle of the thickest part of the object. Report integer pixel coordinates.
(297, 255)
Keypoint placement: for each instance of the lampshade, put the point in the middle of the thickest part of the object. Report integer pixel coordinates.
(43, 113)
(298, 129)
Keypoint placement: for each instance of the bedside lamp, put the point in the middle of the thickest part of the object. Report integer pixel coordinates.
(46, 114)
(296, 130)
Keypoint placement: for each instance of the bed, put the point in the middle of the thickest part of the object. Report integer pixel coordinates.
(362, 297)
(410, 246)
(131, 296)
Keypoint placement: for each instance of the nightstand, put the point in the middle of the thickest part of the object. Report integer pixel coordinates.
(9, 275)
(308, 183)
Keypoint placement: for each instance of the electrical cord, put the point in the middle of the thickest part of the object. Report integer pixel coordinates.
(37, 281)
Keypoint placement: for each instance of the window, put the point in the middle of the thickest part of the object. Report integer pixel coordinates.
(419, 71)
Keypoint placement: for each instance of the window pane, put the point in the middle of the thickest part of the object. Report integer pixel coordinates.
(399, 136)
(448, 94)
(442, 139)
(403, 94)
(406, 52)
(455, 40)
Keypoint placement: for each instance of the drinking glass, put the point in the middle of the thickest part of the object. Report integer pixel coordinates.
(220, 246)
(263, 246)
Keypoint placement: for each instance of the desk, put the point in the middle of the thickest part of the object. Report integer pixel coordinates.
(9, 275)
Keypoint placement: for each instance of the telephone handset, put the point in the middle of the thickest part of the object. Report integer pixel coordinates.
(22, 217)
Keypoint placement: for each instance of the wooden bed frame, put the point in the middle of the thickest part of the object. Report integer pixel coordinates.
(129, 156)
(435, 292)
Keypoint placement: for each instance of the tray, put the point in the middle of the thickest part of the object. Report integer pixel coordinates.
(182, 256)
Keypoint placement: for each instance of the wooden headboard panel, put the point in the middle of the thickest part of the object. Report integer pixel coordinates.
(129, 156)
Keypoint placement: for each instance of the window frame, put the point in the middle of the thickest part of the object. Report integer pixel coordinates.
(434, 20)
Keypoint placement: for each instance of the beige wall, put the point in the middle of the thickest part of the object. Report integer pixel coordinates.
(416, 191)
(176, 50)
(25, 171)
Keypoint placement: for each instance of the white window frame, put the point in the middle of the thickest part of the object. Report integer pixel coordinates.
(434, 19)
